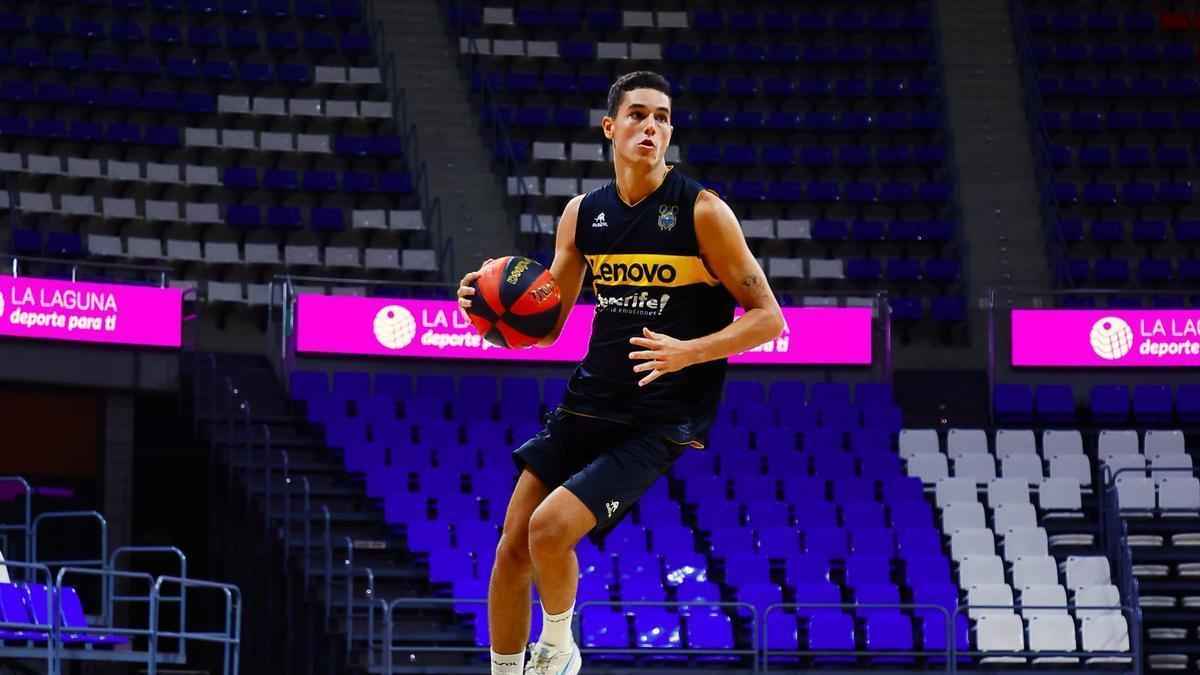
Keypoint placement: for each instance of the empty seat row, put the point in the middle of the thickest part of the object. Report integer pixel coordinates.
(1102, 22)
(1118, 121)
(1110, 404)
(1108, 53)
(229, 139)
(1054, 633)
(734, 86)
(1054, 493)
(308, 10)
(1099, 157)
(238, 178)
(739, 21)
(197, 36)
(683, 52)
(959, 442)
(1177, 494)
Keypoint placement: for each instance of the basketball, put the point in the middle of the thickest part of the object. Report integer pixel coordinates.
(516, 302)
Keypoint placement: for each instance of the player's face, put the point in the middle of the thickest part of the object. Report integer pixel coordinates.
(641, 131)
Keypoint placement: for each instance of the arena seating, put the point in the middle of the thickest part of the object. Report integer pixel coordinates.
(801, 498)
(228, 141)
(1154, 491)
(43, 596)
(822, 128)
(1108, 405)
(1109, 91)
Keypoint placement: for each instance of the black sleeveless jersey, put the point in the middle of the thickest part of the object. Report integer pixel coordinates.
(647, 272)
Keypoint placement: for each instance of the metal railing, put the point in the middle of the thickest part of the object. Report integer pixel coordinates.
(760, 653)
(16, 261)
(24, 528)
(111, 595)
(768, 653)
(229, 638)
(99, 562)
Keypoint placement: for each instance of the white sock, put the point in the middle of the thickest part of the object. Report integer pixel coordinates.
(508, 664)
(556, 628)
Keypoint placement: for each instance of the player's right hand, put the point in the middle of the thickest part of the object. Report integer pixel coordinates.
(465, 291)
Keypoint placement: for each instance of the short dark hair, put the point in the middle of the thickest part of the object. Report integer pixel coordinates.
(641, 79)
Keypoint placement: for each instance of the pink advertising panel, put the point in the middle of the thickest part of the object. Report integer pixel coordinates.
(49, 309)
(1106, 338)
(436, 329)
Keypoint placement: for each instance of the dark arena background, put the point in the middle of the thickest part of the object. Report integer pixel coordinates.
(243, 426)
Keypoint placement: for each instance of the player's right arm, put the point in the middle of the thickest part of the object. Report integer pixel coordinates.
(568, 266)
(568, 270)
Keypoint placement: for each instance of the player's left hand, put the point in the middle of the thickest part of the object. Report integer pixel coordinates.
(663, 354)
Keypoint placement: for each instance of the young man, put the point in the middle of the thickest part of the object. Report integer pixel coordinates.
(668, 260)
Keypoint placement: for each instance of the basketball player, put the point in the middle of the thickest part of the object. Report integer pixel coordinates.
(668, 261)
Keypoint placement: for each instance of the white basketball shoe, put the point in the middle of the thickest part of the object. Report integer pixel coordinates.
(544, 660)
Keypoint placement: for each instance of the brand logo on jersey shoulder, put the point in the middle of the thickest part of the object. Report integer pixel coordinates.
(646, 269)
(599, 221)
(612, 507)
(667, 217)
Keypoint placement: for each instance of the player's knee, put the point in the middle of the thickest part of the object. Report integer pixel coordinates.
(548, 533)
(512, 557)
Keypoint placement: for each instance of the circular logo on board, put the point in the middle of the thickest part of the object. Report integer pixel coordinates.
(395, 327)
(1111, 338)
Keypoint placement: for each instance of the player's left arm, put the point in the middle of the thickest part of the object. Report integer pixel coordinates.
(724, 249)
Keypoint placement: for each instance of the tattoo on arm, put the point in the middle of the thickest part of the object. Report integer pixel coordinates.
(750, 281)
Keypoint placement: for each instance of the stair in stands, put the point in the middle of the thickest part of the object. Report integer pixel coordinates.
(1004, 235)
(447, 130)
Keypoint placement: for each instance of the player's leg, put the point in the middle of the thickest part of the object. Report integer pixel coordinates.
(593, 500)
(556, 527)
(512, 573)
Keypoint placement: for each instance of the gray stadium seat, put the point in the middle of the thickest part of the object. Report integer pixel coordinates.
(821, 268)
(1052, 633)
(989, 600)
(1181, 495)
(980, 570)
(1025, 541)
(1106, 634)
(794, 229)
(950, 490)
(1179, 466)
(929, 468)
(980, 468)
(1034, 570)
(1010, 515)
(1061, 442)
(1104, 597)
(1124, 442)
(1015, 442)
(975, 541)
(1000, 633)
(961, 442)
(1164, 442)
(1077, 467)
(1007, 491)
(1060, 495)
(1051, 596)
(962, 515)
(1082, 571)
(1028, 467)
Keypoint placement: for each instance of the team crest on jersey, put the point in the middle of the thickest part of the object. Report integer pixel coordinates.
(667, 215)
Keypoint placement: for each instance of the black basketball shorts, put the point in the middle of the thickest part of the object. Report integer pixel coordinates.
(607, 465)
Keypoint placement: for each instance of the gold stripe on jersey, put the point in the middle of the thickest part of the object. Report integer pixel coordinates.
(646, 269)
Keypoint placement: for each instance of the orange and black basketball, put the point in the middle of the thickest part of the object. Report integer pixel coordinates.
(516, 302)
